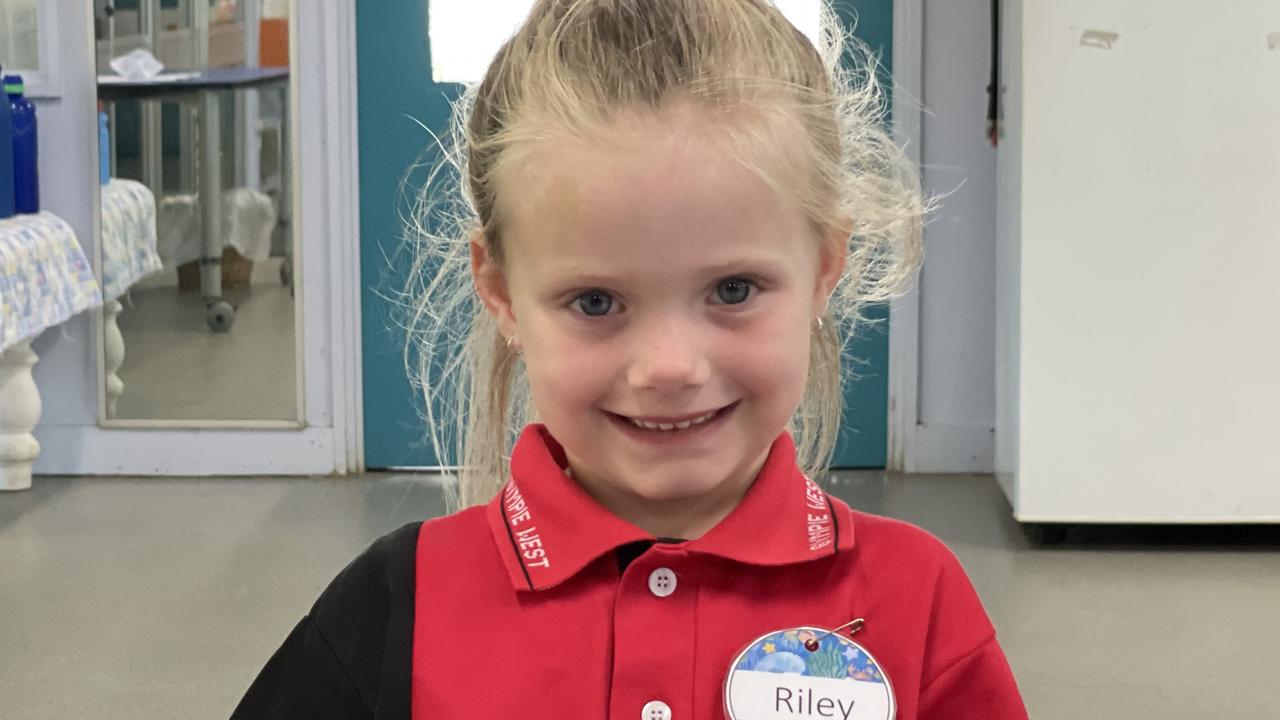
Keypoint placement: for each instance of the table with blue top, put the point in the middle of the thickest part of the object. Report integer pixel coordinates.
(202, 88)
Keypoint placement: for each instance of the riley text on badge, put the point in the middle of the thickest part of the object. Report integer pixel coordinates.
(802, 702)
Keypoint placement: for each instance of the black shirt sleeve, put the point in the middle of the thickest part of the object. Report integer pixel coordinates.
(351, 657)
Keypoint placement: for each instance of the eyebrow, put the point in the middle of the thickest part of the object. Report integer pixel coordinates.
(762, 264)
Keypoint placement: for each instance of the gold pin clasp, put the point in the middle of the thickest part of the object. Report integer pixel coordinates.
(854, 626)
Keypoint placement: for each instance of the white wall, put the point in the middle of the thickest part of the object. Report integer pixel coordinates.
(955, 401)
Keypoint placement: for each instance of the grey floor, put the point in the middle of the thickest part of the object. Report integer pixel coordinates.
(150, 599)
(176, 368)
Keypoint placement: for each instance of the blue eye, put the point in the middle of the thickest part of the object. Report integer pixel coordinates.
(730, 291)
(594, 300)
(734, 288)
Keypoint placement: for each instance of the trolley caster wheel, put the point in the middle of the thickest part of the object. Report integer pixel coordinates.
(1045, 533)
(220, 316)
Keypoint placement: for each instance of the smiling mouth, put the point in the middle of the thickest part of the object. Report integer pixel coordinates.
(674, 426)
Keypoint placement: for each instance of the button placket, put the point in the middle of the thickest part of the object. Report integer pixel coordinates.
(656, 600)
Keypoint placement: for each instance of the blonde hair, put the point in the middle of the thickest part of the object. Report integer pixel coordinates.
(571, 70)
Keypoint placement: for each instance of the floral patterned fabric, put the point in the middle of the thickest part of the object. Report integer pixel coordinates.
(45, 278)
(128, 236)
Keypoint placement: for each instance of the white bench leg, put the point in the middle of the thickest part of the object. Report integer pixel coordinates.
(19, 413)
(113, 354)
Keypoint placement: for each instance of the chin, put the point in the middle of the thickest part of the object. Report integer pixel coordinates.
(669, 490)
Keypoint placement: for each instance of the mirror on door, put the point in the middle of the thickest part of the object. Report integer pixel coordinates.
(198, 263)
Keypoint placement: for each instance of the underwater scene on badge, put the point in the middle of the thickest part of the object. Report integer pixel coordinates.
(785, 652)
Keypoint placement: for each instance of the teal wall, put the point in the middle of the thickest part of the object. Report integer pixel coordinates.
(394, 89)
(864, 430)
(395, 93)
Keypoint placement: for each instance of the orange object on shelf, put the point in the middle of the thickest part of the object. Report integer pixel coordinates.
(273, 42)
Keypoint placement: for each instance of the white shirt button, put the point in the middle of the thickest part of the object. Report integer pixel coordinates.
(662, 582)
(656, 710)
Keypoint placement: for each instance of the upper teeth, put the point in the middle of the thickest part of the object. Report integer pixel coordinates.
(673, 426)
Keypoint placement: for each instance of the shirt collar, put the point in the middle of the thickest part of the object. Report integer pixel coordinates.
(547, 528)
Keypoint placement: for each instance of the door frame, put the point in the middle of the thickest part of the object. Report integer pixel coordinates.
(329, 440)
(915, 444)
(905, 428)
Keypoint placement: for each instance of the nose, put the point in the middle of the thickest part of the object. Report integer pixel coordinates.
(669, 356)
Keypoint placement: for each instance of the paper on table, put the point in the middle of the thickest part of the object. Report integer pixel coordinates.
(137, 65)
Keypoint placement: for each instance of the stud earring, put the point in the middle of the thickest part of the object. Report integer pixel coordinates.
(819, 323)
(519, 350)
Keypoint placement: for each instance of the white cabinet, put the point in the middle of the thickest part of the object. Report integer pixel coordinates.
(1138, 271)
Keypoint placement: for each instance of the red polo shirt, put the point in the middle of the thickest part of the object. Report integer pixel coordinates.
(542, 605)
(523, 610)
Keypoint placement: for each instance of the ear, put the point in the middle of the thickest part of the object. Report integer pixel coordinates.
(832, 254)
(491, 284)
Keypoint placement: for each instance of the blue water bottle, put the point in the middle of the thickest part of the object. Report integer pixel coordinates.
(7, 208)
(104, 146)
(26, 177)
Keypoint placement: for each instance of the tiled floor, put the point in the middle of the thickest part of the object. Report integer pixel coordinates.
(160, 599)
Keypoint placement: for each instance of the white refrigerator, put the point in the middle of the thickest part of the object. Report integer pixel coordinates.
(1138, 262)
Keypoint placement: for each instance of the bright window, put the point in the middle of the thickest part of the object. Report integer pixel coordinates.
(19, 35)
(465, 34)
(29, 43)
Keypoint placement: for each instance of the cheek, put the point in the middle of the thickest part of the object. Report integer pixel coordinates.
(562, 370)
(773, 358)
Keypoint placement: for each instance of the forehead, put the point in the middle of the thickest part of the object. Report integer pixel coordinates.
(655, 197)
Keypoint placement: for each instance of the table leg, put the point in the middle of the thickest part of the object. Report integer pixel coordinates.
(286, 188)
(113, 354)
(19, 414)
(152, 149)
(218, 312)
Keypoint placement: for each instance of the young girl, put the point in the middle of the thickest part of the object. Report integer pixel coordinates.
(670, 209)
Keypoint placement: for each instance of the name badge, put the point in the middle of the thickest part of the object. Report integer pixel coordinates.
(807, 672)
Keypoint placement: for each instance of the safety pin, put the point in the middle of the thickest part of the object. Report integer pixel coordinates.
(854, 626)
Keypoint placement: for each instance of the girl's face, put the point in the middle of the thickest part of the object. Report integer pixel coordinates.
(663, 281)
